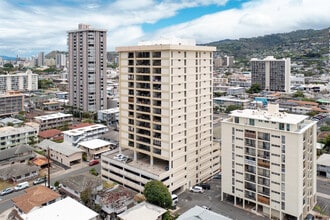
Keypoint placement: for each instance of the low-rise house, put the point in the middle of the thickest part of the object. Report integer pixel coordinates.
(34, 198)
(77, 135)
(74, 185)
(19, 154)
(18, 172)
(323, 165)
(51, 134)
(145, 209)
(115, 201)
(94, 148)
(12, 121)
(201, 213)
(67, 208)
(63, 153)
(55, 120)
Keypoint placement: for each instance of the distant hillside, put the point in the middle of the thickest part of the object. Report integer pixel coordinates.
(7, 58)
(297, 45)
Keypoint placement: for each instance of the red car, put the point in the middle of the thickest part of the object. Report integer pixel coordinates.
(93, 162)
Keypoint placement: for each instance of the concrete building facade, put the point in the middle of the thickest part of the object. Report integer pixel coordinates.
(11, 103)
(87, 68)
(271, 74)
(165, 116)
(27, 81)
(269, 162)
(55, 120)
(10, 136)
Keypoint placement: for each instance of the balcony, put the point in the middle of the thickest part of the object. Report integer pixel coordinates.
(250, 186)
(250, 169)
(250, 195)
(263, 163)
(263, 199)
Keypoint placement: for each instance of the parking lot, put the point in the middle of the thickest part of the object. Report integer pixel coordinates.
(212, 199)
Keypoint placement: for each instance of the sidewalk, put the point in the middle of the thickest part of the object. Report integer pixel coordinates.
(326, 196)
(4, 215)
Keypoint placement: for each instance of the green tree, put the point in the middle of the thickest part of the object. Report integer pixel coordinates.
(93, 171)
(298, 94)
(8, 65)
(232, 108)
(86, 197)
(157, 193)
(167, 216)
(255, 88)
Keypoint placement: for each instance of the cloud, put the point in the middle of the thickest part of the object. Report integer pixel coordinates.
(28, 27)
(254, 18)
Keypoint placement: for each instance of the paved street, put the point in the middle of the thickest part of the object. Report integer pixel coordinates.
(6, 203)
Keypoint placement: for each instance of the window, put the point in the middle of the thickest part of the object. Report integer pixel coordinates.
(281, 126)
(251, 122)
(236, 119)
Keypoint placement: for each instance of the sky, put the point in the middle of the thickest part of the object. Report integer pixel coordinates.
(31, 26)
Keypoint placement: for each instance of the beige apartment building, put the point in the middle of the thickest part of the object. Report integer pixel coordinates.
(165, 119)
(269, 162)
(87, 68)
(53, 121)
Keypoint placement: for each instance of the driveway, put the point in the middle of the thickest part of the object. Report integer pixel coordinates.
(212, 199)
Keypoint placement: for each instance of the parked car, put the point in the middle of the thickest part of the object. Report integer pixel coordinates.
(22, 186)
(205, 186)
(217, 176)
(93, 162)
(206, 207)
(196, 189)
(39, 180)
(7, 191)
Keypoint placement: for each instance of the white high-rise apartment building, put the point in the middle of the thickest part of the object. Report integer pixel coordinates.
(166, 127)
(22, 82)
(269, 162)
(87, 68)
(271, 74)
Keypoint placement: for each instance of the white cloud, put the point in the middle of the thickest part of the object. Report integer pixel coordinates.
(255, 18)
(32, 28)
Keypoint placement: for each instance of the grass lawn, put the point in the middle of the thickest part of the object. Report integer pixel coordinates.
(4, 184)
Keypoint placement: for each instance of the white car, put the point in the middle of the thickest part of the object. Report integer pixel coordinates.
(196, 189)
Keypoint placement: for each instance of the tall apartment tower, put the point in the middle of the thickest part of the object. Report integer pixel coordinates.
(166, 113)
(269, 162)
(271, 74)
(41, 59)
(87, 68)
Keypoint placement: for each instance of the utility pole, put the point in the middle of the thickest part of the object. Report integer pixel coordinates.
(48, 160)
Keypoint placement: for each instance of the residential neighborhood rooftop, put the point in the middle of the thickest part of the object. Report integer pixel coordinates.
(52, 116)
(35, 196)
(94, 144)
(145, 209)
(67, 208)
(64, 148)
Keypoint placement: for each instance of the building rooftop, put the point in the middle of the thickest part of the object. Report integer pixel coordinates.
(79, 183)
(93, 144)
(63, 148)
(199, 213)
(269, 115)
(157, 168)
(15, 170)
(232, 99)
(324, 160)
(35, 196)
(67, 208)
(79, 131)
(52, 116)
(110, 110)
(49, 133)
(145, 209)
(8, 130)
